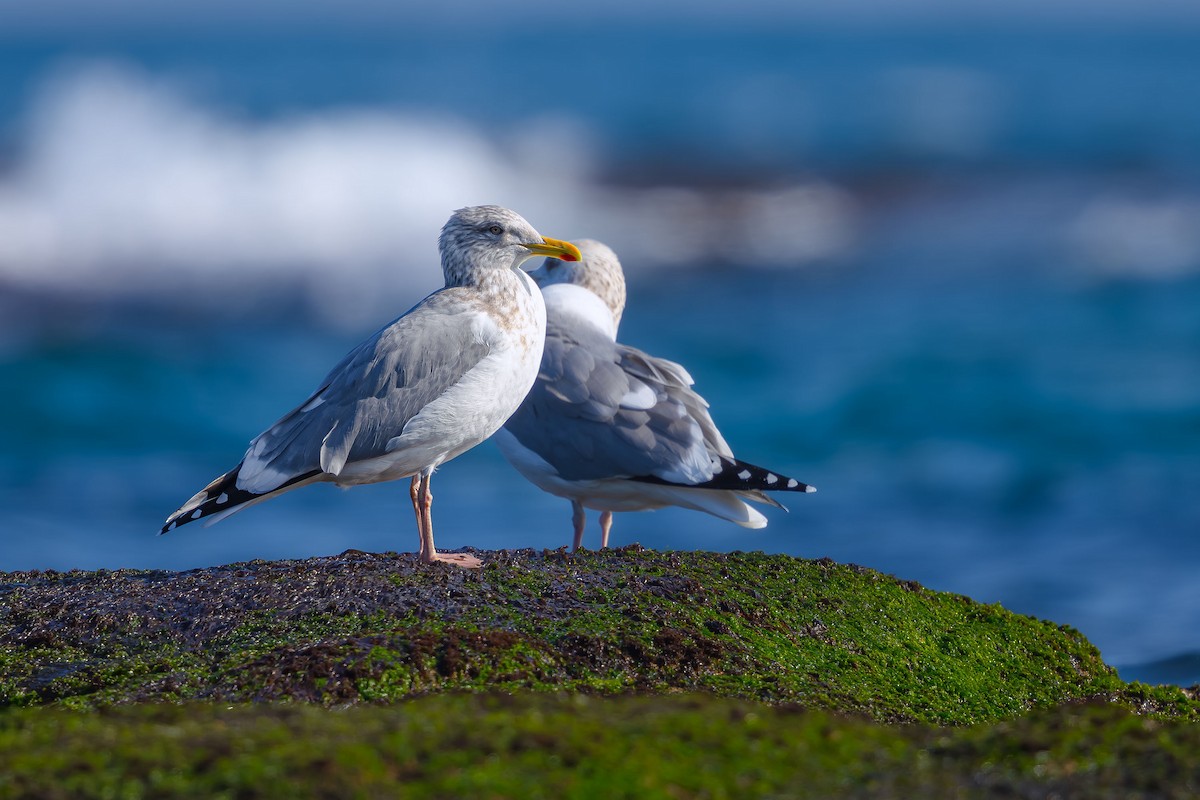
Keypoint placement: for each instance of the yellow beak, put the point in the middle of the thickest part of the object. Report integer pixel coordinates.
(555, 248)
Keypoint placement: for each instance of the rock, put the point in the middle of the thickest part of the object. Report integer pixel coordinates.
(380, 628)
(622, 673)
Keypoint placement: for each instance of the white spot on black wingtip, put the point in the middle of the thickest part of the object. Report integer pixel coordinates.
(223, 499)
(172, 526)
(196, 514)
(744, 474)
(809, 489)
(772, 479)
(793, 483)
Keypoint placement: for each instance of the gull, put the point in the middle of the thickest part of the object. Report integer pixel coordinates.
(614, 429)
(427, 387)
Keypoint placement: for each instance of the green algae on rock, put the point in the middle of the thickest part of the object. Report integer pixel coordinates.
(539, 745)
(381, 628)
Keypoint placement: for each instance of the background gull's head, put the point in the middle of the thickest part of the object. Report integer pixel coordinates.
(598, 270)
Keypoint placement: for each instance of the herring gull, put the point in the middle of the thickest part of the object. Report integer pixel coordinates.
(427, 387)
(611, 428)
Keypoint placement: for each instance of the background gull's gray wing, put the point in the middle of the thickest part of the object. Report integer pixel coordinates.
(370, 396)
(728, 472)
(676, 382)
(603, 410)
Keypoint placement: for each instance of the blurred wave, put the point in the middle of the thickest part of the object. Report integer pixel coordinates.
(124, 187)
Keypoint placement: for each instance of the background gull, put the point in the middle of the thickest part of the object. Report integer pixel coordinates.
(611, 428)
(424, 389)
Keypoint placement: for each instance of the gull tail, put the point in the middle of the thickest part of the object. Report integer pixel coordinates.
(222, 497)
(726, 505)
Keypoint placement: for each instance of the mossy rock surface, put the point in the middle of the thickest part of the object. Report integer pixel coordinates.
(540, 745)
(363, 628)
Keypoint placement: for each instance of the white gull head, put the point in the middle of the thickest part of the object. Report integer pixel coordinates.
(478, 239)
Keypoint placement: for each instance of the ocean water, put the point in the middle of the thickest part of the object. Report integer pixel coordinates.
(950, 277)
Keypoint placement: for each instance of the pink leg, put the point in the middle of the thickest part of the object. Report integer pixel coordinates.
(605, 527)
(578, 519)
(429, 553)
(425, 520)
(414, 495)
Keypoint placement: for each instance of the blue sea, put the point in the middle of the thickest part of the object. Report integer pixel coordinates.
(949, 274)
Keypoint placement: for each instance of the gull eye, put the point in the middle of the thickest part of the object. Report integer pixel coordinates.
(496, 229)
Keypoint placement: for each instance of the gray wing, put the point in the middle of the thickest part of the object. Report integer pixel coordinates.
(677, 383)
(370, 396)
(602, 410)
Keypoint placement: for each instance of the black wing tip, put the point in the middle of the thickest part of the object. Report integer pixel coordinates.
(220, 495)
(740, 476)
(761, 478)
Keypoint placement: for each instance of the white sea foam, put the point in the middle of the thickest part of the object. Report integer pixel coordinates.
(125, 186)
(1131, 236)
